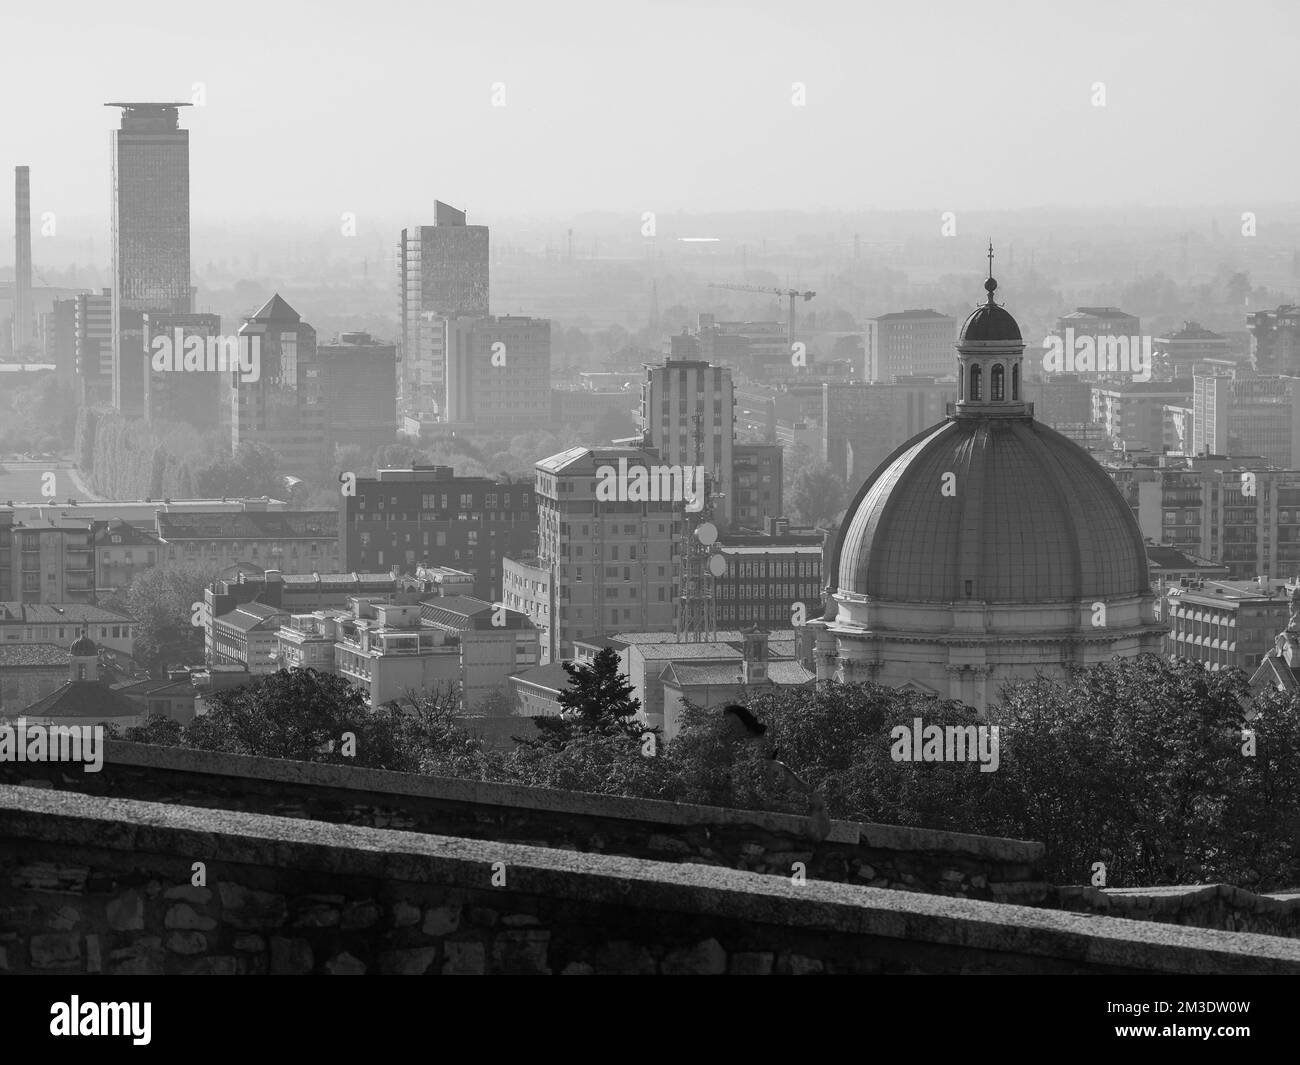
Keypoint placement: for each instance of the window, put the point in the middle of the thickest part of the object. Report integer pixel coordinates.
(975, 382)
(995, 383)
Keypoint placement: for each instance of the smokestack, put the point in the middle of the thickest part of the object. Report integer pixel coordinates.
(22, 257)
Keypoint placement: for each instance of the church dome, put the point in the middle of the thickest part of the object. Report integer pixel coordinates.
(83, 647)
(1027, 517)
(990, 322)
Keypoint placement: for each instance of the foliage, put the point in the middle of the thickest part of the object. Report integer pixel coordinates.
(817, 494)
(598, 700)
(161, 600)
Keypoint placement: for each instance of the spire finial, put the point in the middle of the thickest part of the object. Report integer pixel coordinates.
(990, 285)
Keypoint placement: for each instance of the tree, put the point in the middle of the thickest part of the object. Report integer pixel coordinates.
(161, 602)
(598, 700)
(817, 495)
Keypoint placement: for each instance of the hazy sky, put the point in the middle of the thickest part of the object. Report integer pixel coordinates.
(318, 108)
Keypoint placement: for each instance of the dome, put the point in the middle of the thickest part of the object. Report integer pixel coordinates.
(1030, 518)
(989, 322)
(84, 647)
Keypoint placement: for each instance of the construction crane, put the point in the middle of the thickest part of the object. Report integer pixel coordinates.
(790, 292)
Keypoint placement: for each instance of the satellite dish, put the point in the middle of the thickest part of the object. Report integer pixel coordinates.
(717, 565)
(707, 533)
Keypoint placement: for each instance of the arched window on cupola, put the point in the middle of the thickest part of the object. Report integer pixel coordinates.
(975, 383)
(1015, 382)
(996, 378)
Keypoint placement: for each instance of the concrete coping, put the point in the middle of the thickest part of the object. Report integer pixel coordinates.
(577, 803)
(70, 819)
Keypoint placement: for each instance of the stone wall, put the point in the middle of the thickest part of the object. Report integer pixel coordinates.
(908, 859)
(93, 884)
(1197, 905)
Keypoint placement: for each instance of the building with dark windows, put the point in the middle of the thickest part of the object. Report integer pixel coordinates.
(195, 397)
(442, 273)
(908, 343)
(498, 372)
(984, 549)
(150, 234)
(427, 516)
(358, 391)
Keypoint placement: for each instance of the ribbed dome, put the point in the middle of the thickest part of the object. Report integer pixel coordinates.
(84, 647)
(1033, 519)
(988, 321)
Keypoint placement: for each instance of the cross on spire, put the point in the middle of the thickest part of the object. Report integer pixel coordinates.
(990, 258)
(990, 285)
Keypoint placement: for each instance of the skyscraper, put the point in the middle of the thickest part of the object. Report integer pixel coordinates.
(151, 234)
(442, 273)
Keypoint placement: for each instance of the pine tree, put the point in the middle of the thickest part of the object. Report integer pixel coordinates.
(598, 700)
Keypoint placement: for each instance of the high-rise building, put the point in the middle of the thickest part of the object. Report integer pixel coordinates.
(601, 566)
(151, 234)
(687, 414)
(93, 345)
(22, 258)
(498, 371)
(756, 490)
(1132, 413)
(281, 406)
(358, 390)
(756, 349)
(426, 515)
(1095, 323)
(442, 273)
(194, 397)
(1275, 340)
(60, 334)
(1247, 415)
(907, 343)
(1176, 354)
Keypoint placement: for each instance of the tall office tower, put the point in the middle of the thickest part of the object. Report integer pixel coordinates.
(1247, 415)
(442, 273)
(498, 371)
(192, 396)
(22, 258)
(358, 389)
(687, 412)
(151, 234)
(905, 343)
(94, 348)
(279, 405)
(1275, 340)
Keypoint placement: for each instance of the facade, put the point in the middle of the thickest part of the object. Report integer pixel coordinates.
(246, 637)
(442, 273)
(495, 643)
(498, 371)
(122, 552)
(756, 350)
(192, 397)
(84, 698)
(584, 409)
(985, 549)
(526, 586)
(282, 408)
(861, 422)
(757, 492)
(1061, 399)
(46, 562)
(1238, 513)
(766, 579)
(1275, 340)
(29, 672)
(297, 541)
(1247, 415)
(427, 515)
(1132, 415)
(150, 236)
(1225, 624)
(1094, 322)
(908, 343)
(687, 413)
(62, 624)
(609, 564)
(358, 391)
(60, 338)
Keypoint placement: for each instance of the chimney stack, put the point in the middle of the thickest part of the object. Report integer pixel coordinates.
(22, 257)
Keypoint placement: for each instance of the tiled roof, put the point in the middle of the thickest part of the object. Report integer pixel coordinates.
(248, 616)
(60, 614)
(33, 654)
(552, 676)
(83, 698)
